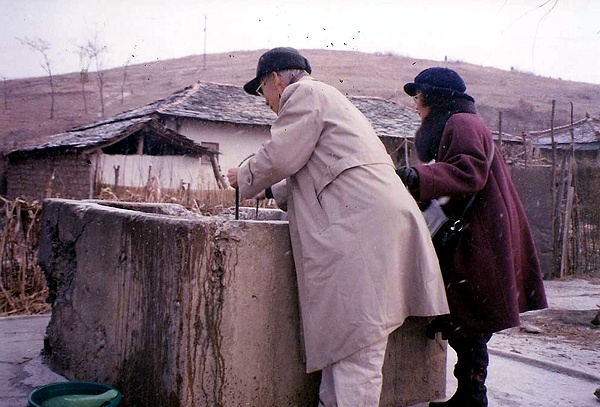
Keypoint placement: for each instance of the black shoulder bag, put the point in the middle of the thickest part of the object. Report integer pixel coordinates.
(445, 231)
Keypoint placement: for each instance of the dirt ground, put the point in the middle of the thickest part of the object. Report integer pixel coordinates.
(564, 333)
(556, 360)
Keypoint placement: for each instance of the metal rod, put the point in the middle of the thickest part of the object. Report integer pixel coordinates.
(237, 203)
(237, 191)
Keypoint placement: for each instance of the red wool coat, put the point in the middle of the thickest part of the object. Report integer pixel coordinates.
(495, 274)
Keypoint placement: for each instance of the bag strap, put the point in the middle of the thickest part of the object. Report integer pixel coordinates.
(470, 203)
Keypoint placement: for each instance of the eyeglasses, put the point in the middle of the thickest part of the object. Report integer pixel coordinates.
(259, 90)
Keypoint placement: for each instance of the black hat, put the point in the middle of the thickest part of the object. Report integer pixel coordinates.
(275, 60)
(438, 80)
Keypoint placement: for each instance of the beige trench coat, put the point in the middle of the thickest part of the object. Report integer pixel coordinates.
(364, 259)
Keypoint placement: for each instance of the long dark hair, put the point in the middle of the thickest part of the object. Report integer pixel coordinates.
(429, 134)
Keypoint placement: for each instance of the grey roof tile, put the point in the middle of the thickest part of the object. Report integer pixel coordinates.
(585, 134)
(214, 102)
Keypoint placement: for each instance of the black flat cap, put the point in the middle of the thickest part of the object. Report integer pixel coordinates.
(274, 60)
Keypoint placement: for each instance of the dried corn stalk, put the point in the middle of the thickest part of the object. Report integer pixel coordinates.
(22, 286)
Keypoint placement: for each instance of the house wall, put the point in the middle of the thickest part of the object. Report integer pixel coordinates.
(170, 171)
(72, 175)
(236, 142)
(59, 175)
(3, 169)
(534, 185)
(590, 156)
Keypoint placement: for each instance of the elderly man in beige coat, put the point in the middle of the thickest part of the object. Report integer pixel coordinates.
(364, 259)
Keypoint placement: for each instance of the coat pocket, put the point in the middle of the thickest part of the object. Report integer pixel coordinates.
(308, 207)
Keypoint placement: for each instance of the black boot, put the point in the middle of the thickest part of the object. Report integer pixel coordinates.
(470, 371)
(471, 393)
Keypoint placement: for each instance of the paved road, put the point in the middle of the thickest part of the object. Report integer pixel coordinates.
(517, 381)
(529, 372)
(21, 367)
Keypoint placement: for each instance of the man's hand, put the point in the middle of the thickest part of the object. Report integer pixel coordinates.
(232, 176)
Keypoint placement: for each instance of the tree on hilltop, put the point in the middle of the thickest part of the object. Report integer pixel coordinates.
(94, 52)
(84, 65)
(42, 46)
(5, 91)
(124, 79)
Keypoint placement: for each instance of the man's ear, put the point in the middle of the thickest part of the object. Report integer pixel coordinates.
(278, 81)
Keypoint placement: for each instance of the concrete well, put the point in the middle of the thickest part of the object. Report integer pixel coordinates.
(177, 309)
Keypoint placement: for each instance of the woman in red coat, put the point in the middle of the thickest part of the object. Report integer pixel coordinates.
(494, 273)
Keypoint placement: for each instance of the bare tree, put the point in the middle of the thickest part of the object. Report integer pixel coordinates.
(42, 46)
(124, 79)
(5, 91)
(94, 52)
(84, 64)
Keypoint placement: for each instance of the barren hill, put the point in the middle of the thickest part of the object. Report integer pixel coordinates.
(524, 99)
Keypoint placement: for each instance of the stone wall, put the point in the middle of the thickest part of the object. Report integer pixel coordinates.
(182, 310)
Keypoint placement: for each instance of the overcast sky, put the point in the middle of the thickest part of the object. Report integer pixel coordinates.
(555, 38)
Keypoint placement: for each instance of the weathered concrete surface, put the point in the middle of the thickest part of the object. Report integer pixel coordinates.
(179, 310)
(415, 367)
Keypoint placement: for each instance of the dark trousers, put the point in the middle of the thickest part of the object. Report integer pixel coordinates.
(472, 358)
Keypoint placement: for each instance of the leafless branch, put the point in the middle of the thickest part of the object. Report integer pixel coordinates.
(124, 79)
(94, 52)
(5, 91)
(84, 64)
(42, 46)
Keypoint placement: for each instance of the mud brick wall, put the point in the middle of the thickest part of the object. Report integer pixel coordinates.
(588, 191)
(185, 310)
(36, 178)
(534, 186)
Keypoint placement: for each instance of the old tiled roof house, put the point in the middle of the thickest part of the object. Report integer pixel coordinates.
(78, 163)
(581, 138)
(228, 120)
(171, 141)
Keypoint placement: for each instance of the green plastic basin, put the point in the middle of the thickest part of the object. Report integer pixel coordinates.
(44, 393)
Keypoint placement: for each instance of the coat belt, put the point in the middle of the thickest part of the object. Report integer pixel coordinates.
(344, 163)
